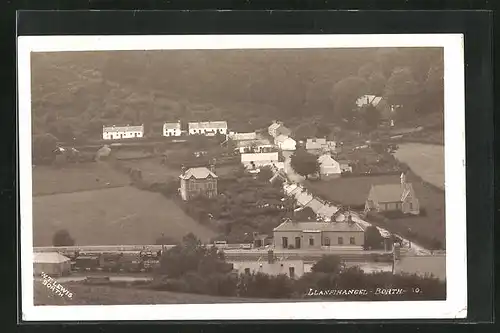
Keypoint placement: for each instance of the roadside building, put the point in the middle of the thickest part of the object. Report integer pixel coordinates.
(345, 166)
(328, 166)
(316, 146)
(198, 182)
(172, 129)
(271, 265)
(51, 263)
(257, 160)
(318, 235)
(122, 132)
(284, 142)
(208, 128)
(393, 197)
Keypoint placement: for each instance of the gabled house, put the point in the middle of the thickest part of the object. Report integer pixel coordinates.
(328, 166)
(172, 129)
(277, 128)
(122, 132)
(208, 128)
(243, 136)
(198, 182)
(284, 142)
(254, 146)
(393, 197)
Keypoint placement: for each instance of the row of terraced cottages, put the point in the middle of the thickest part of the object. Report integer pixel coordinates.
(208, 128)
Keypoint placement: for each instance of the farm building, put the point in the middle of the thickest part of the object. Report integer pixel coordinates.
(393, 197)
(256, 160)
(328, 166)
(209, 128)
(272, 265)
(284, 142)
(318, 146)
(316, 235)
(122, 132)
(345, 166)
(198, 182)
(51, 263)
(172, 129)
(277, 128)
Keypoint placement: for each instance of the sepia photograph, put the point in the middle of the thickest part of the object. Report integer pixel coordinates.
(242, 177)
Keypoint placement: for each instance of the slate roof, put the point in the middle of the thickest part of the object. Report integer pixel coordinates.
(172, 126)
(389, 192)
(368, 99)
(319, 226)
(49, 257)
(326, 159)
(207, 124)
(282, 138)
(198, 173)
(123, 128)
(303, 198)
(315, 205)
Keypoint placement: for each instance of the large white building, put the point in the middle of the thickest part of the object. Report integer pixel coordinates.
(251, 161)
(122, 132)
(172, 129)
(209, 128)
(284, 142)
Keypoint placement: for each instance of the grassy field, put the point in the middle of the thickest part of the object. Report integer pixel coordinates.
(114, 216)
(354, 190)
(76, 177)
(111, 295)
(154, 171)
(427, 161)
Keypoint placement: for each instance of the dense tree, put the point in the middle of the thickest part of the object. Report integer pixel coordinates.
(62, 238)
(373, 238)
(401, 86)
(345, 94)
(265, 174)
(304, 163)
(369, 118)
(44, 146)
(305, 214)
(328, 264)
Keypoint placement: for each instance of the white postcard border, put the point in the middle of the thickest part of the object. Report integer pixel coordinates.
(455, 305)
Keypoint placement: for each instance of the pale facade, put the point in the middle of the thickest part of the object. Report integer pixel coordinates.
(122, 132)
(284, 142)
(318, 235)
(198, 182)
(251, 161)
(328, 166)
(209, 128)
(172, 129)
(291, 268)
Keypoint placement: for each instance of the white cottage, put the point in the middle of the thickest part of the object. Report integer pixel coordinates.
(172, 129)
(328, 166)
(252, 161)
(209, 128)
(284, 142)
(122, 132)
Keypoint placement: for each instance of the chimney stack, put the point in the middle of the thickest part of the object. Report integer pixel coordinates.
(270, 256)
(183, 169)
(212, 167)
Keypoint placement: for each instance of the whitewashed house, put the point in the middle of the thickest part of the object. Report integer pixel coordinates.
(122, 132)
(270, 264)
(172, 129)
(209, 128)
(284, 142)
(254, 146)
(328, 166)
(257, 160)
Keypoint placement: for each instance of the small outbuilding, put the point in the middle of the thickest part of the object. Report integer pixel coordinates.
(51, 263)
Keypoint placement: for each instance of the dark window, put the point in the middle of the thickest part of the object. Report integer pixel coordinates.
(311, 241)
(327, 241)
(247, 270)
(284, 241)
(291, 271)
(411, 205)
(352, 241)
(340, 240)
(297, 242)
